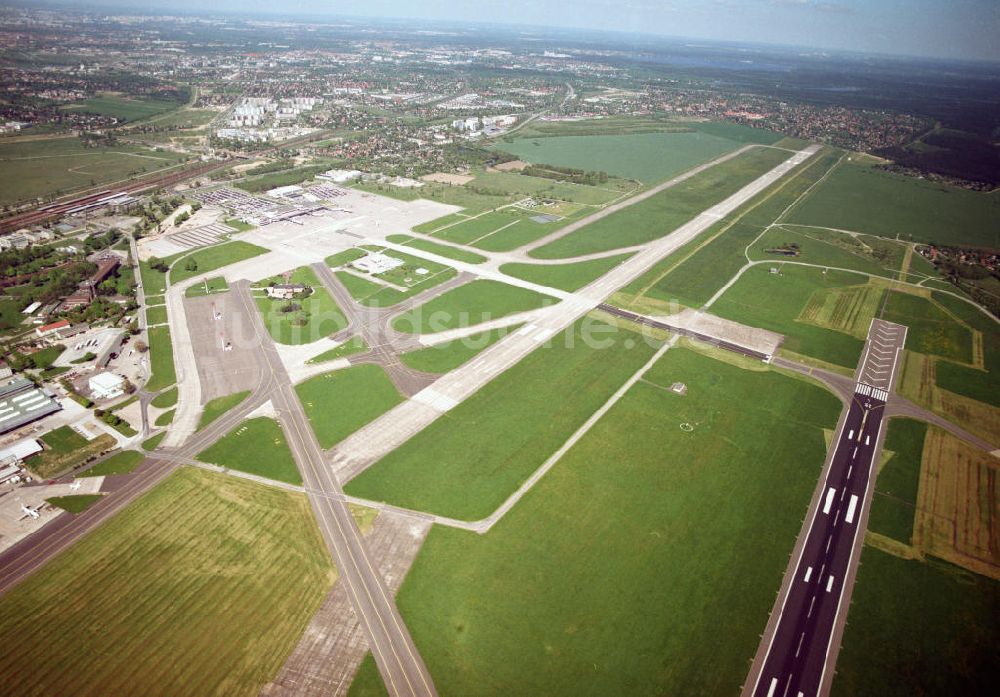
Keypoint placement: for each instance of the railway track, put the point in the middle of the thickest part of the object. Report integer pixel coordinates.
(60, 208)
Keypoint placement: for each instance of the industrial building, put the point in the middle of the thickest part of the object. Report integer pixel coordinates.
(21, 403)
(339, 176)
(106, 386)
(376, 263)
(13, 455)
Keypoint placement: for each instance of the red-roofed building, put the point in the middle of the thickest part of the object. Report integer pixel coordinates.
(53, 328)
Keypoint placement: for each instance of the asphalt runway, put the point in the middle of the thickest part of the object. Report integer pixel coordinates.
(367, 445)
(396, 655)
(799, 649)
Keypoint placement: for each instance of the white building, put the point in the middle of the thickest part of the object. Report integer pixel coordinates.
(376, 263)
(15, 453)
(290, 191)
(339, 176)
(285, 291)
(470, 124)
(106, 386)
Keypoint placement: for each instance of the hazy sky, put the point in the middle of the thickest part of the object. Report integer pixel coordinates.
(940, 28)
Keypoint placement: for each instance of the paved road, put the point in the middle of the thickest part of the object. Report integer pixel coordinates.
(799, 648)
(397, 657)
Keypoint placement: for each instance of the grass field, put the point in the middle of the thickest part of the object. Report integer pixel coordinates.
(827, 248)
(66, 449)
(156, 315)
(469, 304)
(318, 315)
(776, 301)
(368, 682)
(461, 196)
(256, 446)
(154, 281)
(465, 465)
(122, 108)
(165, 419)
(215, 408)
(351, 347)
(848, 309)
(542, 187)
(341, 402)
(165, 399)
(44, 168)
(408, 275)
(150, 443)
(894, 504)
(247, 570)
(185, 118)
(374, 294)
(971, 382)
(663, 213)
(210, 286)
(647, 157)
(930, 625)
(495, 231)
(917, 382)
(930, 330)
(861, 198)
(212, 258)
(345, 257)
(119, 463)
(612, 125)
(450, 355)
(442, 249)
(615, 574)
(10, 313)
(696, 271)
(161, 359)
(958, 504)
(239, 225)
(568, 277)
(43, 359)
(75, 503)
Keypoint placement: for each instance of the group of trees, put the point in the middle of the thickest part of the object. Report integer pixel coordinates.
(157, 264)
(58, 282)
(26, 361)
(153, 213)
(98, 241)
(569, 174)
(19, 262)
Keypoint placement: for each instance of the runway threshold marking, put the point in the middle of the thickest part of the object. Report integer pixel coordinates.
(829, 500)
(850, 508)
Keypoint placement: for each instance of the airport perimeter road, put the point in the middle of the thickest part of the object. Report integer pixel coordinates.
(396, 655)
(799, 648)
